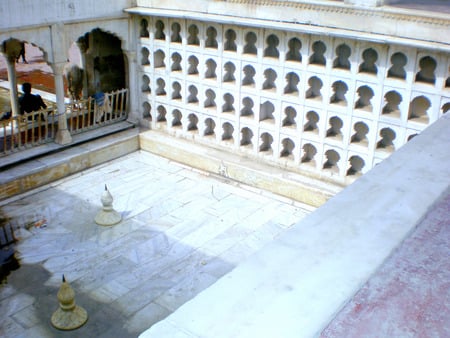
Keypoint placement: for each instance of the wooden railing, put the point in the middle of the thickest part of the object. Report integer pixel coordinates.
(28, 130)
(36, 128)
(86, 114)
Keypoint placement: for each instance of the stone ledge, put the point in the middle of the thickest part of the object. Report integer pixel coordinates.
(296, 284)
(45, 169)
(307, 190)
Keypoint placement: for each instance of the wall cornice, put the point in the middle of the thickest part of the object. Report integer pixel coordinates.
(417, 16)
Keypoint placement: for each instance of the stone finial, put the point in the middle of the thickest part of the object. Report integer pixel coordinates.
(69, 316)
(107, 216)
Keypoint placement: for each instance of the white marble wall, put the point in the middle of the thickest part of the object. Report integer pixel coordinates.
(386, 95)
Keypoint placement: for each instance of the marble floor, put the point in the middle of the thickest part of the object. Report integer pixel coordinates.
(181, 231)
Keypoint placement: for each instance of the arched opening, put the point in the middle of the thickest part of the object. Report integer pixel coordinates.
(144, 56)
(250, 43)
(161, 114)
(315, 85)
(309, 151)
(228, 103)
(145, 88)
(246, 138)
(370, 57)
(339, 89)
(392, 106)
(193, 91)
(193, 121)
(104, 60)
(271, 46)
(266, 143)
(247, 109)
(287, 148)
(176, 118)
(331, 162)
(270, 77)
(290, 114)
(176, 63)
(360, 135)
(387, 139)
(365, 96)
(427, 67)
(211, 35)
(230, 41)
(397, 70)
(193, 64)
(146, 107)
(311, 122)
(292, 81)
(159, 30)
(293, 53)
(418, 109)
(193, 35)
(335, 128)
(176, 91)
(158, 59)
(176, 30)
(249, 73)
(210, 98)
(266, 111)
(343, 53)
(318, 55)
(211, 66)
(143, 32)
(210, 126)
(228, 131)
(160, 87)
(356, 165)
(229, 68)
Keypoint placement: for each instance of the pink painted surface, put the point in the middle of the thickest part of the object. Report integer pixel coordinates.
(409, 296)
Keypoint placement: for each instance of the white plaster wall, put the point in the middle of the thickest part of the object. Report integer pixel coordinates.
(22, 13)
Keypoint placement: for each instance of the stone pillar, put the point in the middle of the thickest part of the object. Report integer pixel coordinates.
(11, 69)
(367, 3)
(133, 92)
(63, 135)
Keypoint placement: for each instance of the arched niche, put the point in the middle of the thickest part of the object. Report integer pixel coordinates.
(193, 122)
(162, 112)
(271, 49)
(246, 137)
(331, 163)
(398, 63)
(426, 73)
(309, 153)
(289, 117)
(356, 165)
(266, 143)
(343, 53)
(392, 105)
(210, 127)
(360, 136)
(176, 119)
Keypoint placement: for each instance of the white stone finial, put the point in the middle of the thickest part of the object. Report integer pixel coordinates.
(107, 216)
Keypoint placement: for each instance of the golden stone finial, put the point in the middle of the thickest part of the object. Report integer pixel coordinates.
(69, 316)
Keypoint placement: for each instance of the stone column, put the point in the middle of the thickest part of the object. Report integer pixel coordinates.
(367, 3)
(63, 135)
(11, 69)
(133, 92)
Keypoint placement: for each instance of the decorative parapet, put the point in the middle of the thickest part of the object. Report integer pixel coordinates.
(379, 23)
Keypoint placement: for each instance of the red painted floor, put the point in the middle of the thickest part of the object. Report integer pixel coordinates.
(409, 296)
